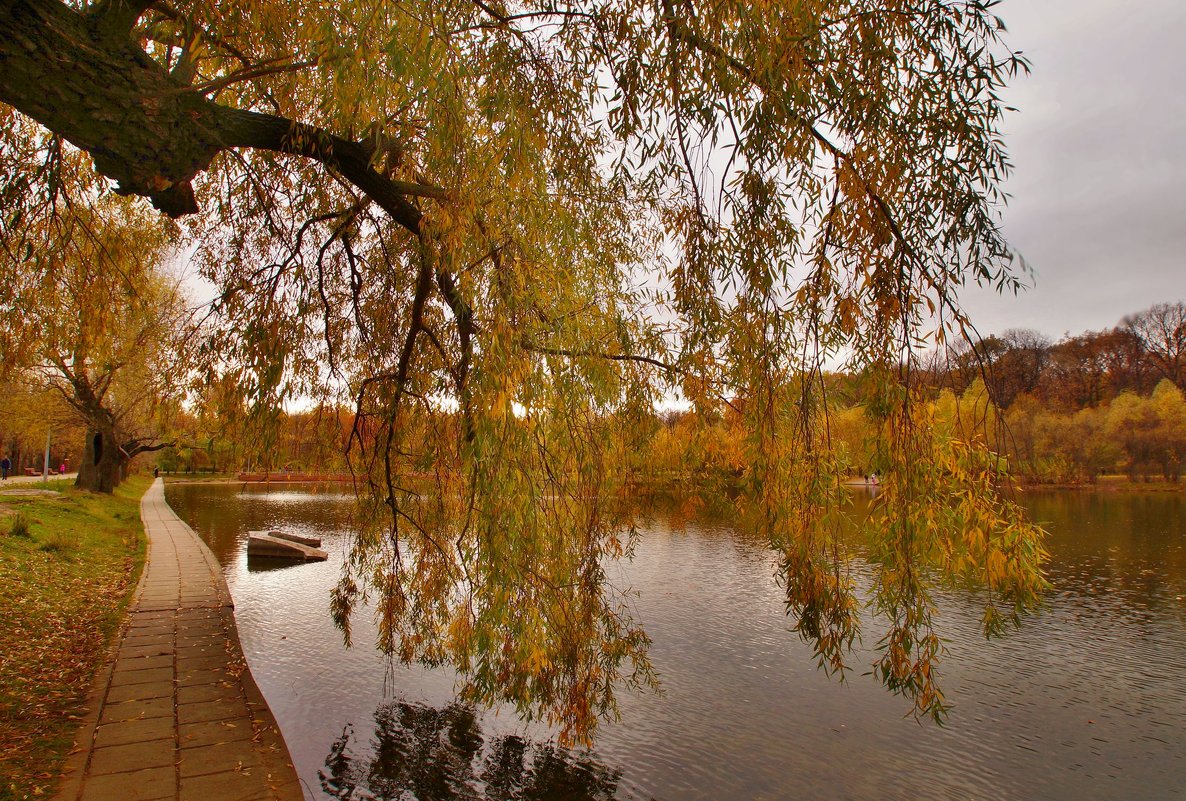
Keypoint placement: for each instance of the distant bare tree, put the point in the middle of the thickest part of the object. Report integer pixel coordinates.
(1162, 331)
(1018, 369)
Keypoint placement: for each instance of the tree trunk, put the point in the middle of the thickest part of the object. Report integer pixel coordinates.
(103, 464)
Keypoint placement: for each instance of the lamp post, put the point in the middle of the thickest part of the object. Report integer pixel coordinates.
(45, 464)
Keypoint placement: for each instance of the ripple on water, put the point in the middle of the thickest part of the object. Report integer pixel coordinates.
(1085, 702)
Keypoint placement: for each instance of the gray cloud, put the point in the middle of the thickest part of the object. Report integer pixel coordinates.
(1099, 145)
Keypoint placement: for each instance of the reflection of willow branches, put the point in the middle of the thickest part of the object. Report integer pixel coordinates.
(435, 754)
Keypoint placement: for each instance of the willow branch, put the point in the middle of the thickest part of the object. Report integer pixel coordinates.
(528, 345)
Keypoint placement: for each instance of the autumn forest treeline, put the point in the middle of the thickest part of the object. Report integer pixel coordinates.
(1100, 402)
(1063, 411)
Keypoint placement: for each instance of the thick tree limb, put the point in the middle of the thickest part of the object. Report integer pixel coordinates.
(82, 78)
(134, 447)
(464, 320)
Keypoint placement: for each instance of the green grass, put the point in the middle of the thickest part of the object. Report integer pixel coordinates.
(64, 586)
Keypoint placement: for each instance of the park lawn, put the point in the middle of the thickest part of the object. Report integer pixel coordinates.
(63, 591)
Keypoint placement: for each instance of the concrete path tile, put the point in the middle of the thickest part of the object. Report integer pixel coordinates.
(137, 709)
(195, 678)
(138, 731)
(228, 786)
(133, 650)
(208, 692)
(213, 732)
(137, 692)
(144, 662)
(134, 757)
(206, 759)
(212, 647)
(208, 662)
(212, 710)
(142, 785)
(137, 640)
(195, 636)
(142, 676)
(155, 628)
(161, 619)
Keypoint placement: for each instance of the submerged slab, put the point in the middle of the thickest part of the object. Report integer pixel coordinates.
(267, 545)
(312, 542)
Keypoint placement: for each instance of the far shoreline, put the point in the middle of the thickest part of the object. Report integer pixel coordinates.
(1107, 483)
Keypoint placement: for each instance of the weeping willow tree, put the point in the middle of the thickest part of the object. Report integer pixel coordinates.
(506, 230)
(92, 317)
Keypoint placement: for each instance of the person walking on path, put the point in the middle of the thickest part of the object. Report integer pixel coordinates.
(5, 466)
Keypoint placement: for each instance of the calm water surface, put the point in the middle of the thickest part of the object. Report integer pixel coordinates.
(1087, 701)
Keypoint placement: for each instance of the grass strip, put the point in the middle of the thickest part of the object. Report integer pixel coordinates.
(69, 561)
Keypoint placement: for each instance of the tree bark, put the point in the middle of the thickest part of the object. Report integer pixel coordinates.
(84, 78)
(103, 463)
(103, 94)
(105, 453)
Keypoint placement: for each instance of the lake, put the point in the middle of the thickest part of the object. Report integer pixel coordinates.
(1086, 701)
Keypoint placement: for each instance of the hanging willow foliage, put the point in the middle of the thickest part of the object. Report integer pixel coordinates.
(506, 231)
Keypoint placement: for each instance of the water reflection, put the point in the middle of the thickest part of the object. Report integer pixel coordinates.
(271, 565)
(1085, 702)
(439, 754)
(224, 513)
(1131, 548)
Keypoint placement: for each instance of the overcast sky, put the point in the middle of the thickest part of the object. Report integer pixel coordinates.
(1099, 151)
(1099, 148)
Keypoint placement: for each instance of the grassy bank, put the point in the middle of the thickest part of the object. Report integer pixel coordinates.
(1111, 483)
(68, 563)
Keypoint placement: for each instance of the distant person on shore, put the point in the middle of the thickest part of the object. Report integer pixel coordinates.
(5, 466)
(156, 472)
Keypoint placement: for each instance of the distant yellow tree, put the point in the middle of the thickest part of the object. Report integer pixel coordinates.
(851, 432)
(29, 413)
(1132, 424)
(1170, 407)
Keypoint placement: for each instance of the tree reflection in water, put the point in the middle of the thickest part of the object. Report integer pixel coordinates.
(434, 754)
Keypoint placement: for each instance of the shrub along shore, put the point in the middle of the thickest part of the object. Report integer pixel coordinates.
(69, 561)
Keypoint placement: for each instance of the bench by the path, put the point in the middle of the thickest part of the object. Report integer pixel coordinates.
(175, 714)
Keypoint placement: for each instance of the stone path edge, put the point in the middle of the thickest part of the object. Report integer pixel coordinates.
(267, 744)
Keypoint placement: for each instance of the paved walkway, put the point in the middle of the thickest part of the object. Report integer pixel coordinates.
(176, 714)
(14, 479)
